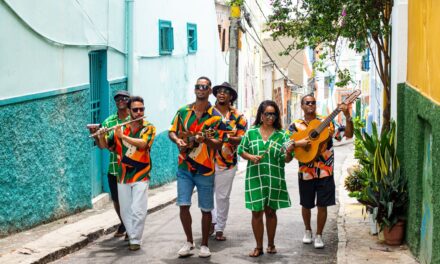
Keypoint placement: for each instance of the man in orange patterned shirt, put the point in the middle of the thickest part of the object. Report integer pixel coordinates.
(315, 180)
(231, 131)
(189, 129)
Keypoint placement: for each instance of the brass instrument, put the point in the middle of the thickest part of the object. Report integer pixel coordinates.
(108, 129)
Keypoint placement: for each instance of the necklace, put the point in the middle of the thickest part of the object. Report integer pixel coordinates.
(265, 134)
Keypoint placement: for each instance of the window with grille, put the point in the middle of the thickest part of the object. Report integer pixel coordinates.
(166, 37)
(192, 37)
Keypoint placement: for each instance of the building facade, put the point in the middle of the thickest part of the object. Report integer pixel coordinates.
(62, 62)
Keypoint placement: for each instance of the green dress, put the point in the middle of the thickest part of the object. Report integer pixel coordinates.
(265, 182)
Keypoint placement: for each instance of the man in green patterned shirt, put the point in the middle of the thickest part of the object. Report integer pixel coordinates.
(122, 115)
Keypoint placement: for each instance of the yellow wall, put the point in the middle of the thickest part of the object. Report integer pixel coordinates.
(424, 47)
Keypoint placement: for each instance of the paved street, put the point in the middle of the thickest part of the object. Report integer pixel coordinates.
(164, 235)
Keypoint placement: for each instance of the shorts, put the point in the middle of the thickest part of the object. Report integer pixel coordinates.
(113, 185)
(205, 189)
(323, 190)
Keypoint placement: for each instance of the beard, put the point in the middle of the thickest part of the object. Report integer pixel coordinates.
(222, 103)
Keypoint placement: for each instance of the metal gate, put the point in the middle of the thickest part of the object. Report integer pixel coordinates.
(99, 108)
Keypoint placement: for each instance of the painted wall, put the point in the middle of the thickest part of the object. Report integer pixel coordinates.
(416, 113)
(63, 33)
(423, 51)
(44, 160)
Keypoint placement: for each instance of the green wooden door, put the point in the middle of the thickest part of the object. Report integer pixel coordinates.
(99, 110)
(427, 216)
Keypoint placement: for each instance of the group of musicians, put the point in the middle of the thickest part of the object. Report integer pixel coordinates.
(209, 138)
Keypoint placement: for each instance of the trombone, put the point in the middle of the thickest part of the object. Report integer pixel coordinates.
(108, 129)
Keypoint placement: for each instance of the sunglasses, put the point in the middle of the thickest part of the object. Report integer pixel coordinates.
(138, 109)
(201, 87)
(270, 115)
(310, 102)
(119, 99)
(224, 90)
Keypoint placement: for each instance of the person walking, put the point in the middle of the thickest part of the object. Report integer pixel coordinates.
(132, 143)
(231, 131)
(191, 131)
(265, 184)
(315, 179)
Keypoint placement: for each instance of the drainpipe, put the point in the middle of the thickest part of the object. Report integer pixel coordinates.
(129, 57)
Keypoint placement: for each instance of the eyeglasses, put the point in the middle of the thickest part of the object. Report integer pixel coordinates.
(201, 87)
(223, 90)
(310, 102)
(270, 115)
(122, 98)
(138, 109)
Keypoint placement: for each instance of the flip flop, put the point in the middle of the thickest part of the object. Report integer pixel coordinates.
(256, 252)
(219, 236)
(271, 249)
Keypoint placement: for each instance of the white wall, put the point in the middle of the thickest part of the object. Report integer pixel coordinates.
(167, 82)
(45, 43)
(399, 50)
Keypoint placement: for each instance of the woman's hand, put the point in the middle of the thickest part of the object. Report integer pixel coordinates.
(255, 159)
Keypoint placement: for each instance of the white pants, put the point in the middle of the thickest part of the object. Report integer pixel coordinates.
(223, 186)
(133, 199)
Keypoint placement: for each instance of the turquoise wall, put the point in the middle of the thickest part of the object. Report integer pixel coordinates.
(415, 113)
(164, 159)
(44, 160)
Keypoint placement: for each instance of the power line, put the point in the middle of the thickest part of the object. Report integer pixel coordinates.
(281, 43)
(260, 43)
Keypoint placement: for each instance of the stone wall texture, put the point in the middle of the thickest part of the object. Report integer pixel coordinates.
(44, 160)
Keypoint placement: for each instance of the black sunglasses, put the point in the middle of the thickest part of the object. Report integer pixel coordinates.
(201, 87)
(223, 90)
(270, 114)
(138, 109)
(310, 102)
(121, 98)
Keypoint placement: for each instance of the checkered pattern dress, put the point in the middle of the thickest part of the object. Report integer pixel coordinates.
(265, 183)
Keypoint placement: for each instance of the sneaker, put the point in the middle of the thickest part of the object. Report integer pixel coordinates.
(307, 239)
(204, 252)
(318, 242)
(134, 247)
(185, 251)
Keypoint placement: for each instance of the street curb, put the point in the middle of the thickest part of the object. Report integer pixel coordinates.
(51, 247)
(342, 234)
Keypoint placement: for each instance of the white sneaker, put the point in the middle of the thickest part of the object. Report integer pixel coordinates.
(185, 251)
(307, 239)
(318, 242)
(204, 252)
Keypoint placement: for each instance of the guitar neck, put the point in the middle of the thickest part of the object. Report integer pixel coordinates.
(327, 121)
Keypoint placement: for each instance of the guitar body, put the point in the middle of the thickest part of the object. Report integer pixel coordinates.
(309, 154)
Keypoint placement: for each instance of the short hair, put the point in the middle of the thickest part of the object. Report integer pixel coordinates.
(277, 122)
(205, 78)
(134, 99)
(307, 95)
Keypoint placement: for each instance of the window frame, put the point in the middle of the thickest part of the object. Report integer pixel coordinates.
(166, 24)
(191, 47)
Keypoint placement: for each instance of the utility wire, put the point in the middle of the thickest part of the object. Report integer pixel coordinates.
(281, 43)
(260, 43)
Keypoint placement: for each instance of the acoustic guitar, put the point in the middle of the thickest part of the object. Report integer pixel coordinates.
(190, 138)
(318, 132)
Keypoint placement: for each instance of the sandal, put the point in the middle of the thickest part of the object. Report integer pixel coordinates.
(219, 236)
(256, 252)
(271, 249)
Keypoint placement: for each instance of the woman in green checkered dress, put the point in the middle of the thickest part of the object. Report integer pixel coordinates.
(266, 189)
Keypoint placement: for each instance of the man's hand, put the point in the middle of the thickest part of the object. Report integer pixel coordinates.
(345, 109)
(302, 143)
(118, 132)
(199, 138)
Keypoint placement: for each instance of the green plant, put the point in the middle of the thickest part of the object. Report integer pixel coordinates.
(235, 2)
(390, 198)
